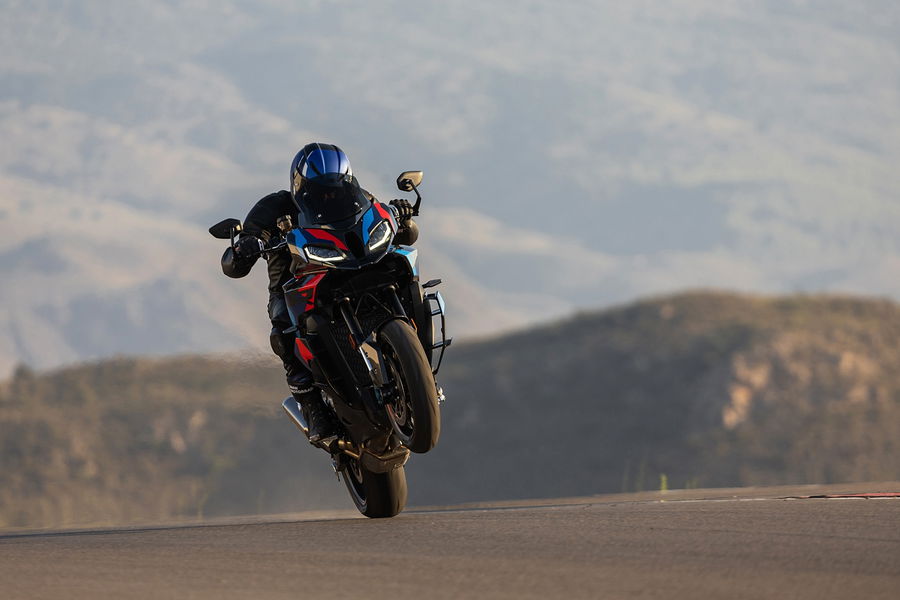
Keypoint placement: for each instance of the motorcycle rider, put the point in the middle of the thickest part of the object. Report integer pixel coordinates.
(321, 178)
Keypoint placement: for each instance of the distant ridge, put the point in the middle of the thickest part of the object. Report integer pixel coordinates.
(696, 389)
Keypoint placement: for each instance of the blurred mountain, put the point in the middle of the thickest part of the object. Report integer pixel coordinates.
(708, 389)
(574, 157)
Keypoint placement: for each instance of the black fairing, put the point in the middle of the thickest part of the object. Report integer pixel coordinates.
(337, 365)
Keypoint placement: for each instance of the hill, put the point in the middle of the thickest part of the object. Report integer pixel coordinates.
(709, 389)
(706, 389)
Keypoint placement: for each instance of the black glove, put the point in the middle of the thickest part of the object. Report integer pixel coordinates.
(404, 209)
(248, 246)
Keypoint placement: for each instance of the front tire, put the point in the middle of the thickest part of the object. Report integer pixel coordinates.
(376, 495)
(413, 407)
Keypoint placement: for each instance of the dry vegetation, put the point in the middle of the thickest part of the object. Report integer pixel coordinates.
(707, 389)
(131, 440)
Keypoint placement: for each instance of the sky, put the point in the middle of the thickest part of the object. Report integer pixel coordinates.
(574, 158)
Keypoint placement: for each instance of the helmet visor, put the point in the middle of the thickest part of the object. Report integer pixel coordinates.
(328, 200)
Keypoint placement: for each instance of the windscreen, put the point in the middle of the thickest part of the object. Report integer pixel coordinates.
(331, 202)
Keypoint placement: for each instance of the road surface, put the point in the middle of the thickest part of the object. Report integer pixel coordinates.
(681, 545)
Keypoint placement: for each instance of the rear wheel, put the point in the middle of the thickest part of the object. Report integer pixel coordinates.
(412, 403)
(375, 495)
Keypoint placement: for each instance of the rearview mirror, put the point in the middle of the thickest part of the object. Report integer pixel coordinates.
(409, 180)
(223, 230)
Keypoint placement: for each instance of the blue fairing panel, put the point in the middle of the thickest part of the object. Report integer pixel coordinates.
(367, 221)
(411, 255)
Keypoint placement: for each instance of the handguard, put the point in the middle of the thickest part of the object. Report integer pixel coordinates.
(408, 234)
(235, 266)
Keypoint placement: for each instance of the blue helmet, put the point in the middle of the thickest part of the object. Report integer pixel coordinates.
(323, 186)
(324, 164)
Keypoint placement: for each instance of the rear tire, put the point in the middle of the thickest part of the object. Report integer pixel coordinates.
(376, 495)
(413, 411)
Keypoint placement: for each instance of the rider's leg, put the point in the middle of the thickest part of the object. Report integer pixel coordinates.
(299, 379)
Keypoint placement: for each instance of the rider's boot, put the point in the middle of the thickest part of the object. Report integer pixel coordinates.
(319, 416)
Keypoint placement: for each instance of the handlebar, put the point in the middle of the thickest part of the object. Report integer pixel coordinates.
(280, 243)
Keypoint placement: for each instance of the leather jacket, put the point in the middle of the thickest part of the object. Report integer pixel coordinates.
(261, 222)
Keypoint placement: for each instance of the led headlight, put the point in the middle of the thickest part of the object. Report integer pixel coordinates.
(381, 235)
(323, 255)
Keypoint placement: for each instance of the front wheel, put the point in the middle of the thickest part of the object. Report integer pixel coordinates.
(411, 403)
(376, 495)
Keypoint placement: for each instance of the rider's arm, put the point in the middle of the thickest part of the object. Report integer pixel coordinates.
(258, 226)
(409, 231)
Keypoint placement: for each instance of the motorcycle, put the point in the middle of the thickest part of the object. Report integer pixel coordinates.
(373, 338)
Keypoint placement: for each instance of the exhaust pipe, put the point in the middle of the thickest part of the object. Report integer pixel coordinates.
(372, 462)
(292, 408)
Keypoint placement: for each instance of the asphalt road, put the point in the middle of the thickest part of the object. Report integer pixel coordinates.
(755, 545)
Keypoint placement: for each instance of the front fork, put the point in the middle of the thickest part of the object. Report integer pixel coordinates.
(377, 371)
(358, 339)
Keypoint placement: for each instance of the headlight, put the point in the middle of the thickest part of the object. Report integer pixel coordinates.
(323, 255)
(381, 235)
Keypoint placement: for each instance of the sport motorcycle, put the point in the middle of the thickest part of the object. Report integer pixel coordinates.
(373, 337)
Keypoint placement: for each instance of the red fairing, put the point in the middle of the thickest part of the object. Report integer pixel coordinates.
(329, 237)
(385, 214)
(304, 350)
(308, 290)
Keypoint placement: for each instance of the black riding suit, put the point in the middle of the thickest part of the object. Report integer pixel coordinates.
(260, 222)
